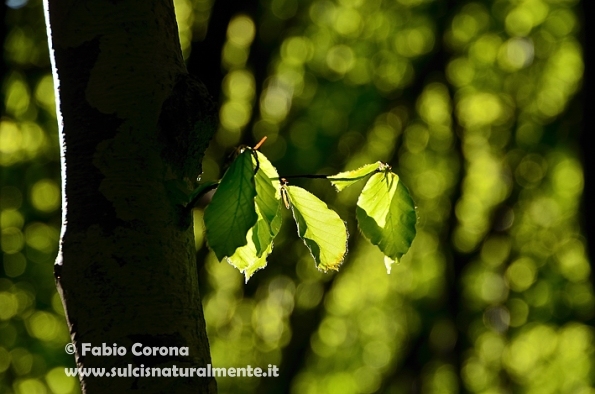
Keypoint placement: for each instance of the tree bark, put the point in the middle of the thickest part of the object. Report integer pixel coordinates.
(132, 121)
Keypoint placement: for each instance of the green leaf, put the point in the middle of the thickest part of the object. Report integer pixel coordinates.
(386, 215)
(348, 178)
(268, 196)
(231, 212)
(259, 239)
(246, 258)
(321, 229)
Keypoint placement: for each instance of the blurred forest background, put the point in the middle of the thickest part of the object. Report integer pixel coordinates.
(473, 103)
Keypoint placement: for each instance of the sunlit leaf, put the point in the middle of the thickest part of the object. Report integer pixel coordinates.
(268, 194)
(259, 239)
(344, 179)
(231, 212)
(386, 215)
(250, 258)
(321, 229)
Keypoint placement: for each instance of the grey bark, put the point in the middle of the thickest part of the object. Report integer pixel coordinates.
(131, 122)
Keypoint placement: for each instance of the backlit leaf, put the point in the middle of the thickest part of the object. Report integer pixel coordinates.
(386, 215)
(259, 239)
(268, 194)
(231, 212)
(321, 229)
(249, 258)
(348, 178)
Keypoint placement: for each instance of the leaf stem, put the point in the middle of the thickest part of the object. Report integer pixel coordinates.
(201, 191)
(314, 176)
(260, 143)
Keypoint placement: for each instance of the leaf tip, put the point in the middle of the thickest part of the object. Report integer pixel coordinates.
(331, 267)
(388, 262)
(247, 276)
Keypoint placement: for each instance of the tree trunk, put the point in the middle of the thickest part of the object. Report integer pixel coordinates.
(131, 122)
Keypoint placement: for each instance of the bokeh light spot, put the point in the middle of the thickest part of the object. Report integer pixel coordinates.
(521, 274)
(45, 195)
(12, 240)
(340, 59)
(59, 383)
(241, 30)
(43, 325)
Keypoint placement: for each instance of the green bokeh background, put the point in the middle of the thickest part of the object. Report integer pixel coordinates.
(474, 105)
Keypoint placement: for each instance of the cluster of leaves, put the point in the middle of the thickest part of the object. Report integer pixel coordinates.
(245, 214)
